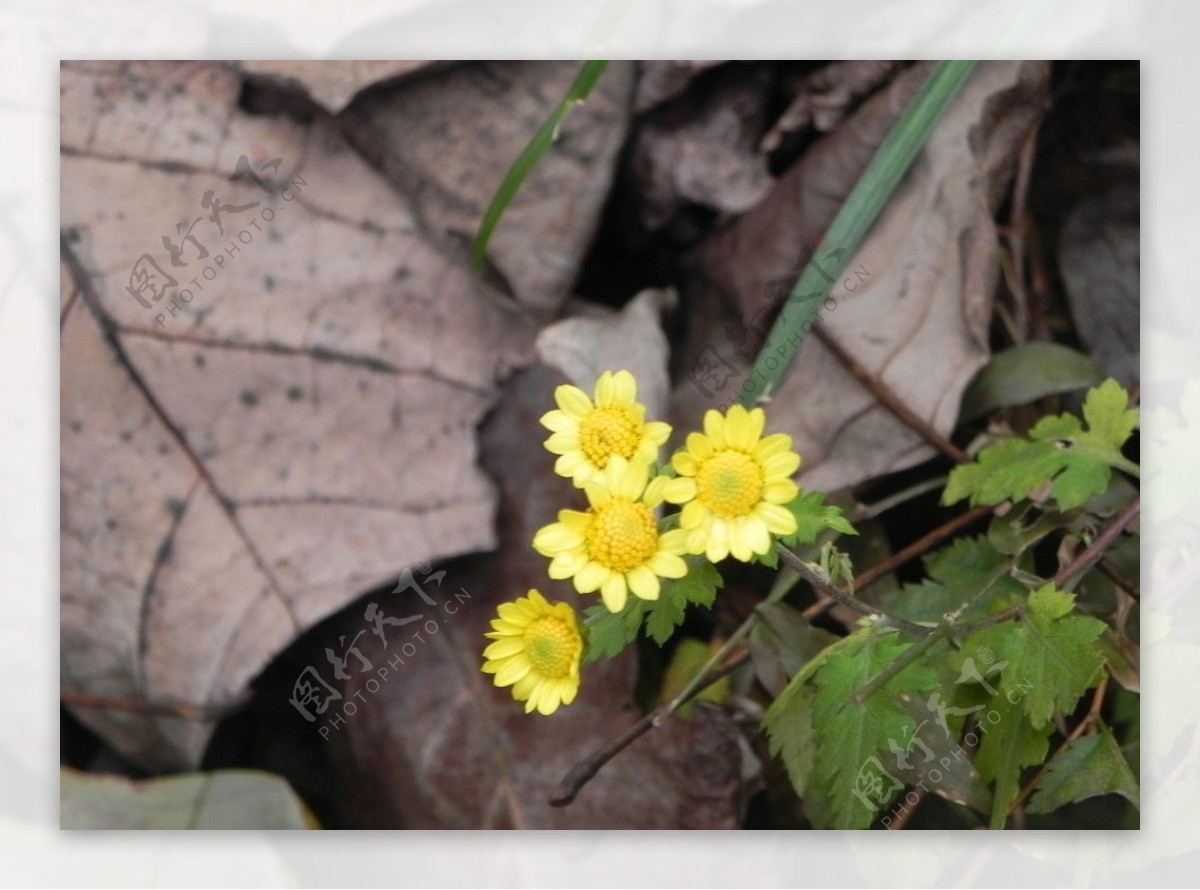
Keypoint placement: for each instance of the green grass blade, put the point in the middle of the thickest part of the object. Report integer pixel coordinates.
(848, 229)
(589, 75)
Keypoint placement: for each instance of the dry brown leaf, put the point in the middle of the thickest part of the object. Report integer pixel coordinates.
(299, 431)
(1100, 260)
(448, 142)
(824, 98)
(705, 153)
(585, 347)
(331, 83)
(914, 304)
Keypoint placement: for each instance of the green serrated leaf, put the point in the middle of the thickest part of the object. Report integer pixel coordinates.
(1078, 460)
(1048, 658)
(610, 632)
(1010, 744)
(853, 735)
(1087, 767)
(698, 587)
(814, 516)
(957, 574)
(788, 722)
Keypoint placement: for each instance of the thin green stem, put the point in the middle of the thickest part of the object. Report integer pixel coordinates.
(848, 229)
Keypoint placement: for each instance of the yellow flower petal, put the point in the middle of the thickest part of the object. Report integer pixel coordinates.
(685, 464)
(774, 444)
(624, 387)
(658, 432)
(714, 428)
(779, 520)
(559, 422)
(643, 583)
(613, 592)
(698, 446)
(512, 671)
(505, 647)
(781, 466)
(781, 491)
(598, 491)
(693, 514)
(680, 490)
(563, 443)
(653, 495)
(757, 535)
(744, 432)
(555, 538)
(668, 565)
(572, 400)
(591, 576)
(604, 390)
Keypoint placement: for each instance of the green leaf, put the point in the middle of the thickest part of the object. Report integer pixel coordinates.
(589, 74)
(782, 642)
(788, 722)
(1087, 767)
(698, 587)
(1026, 373)
(610, 632)
(1048, 659)
(1010, 744)
(221, 799)
(957, 574)
(854, 735)
(1078, 460)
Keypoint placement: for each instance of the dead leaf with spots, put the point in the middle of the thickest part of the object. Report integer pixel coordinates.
(289, 423)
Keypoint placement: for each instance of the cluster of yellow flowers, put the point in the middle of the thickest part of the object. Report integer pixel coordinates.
(732, 484)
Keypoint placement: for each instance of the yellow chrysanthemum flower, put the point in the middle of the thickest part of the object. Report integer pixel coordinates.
(615, 546)
(536, 651)
(586, 435)
(732, 482)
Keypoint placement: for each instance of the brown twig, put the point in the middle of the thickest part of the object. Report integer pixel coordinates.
(888, 398)
(583, 772)
(822, 586)
(150, 709)
(917, 548)
(1096, 550)
(1117, 577)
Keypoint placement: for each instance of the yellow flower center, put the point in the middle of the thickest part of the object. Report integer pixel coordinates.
(608, 431)
(623, 535)
(551, 645)
(729, 483)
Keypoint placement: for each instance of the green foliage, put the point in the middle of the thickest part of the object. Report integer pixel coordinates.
(1026, 373)
(957, 574)
(1087, 767)
(610, 632)
(1010, 744)
(1079, 460)
(1051, 656)
(826, 762)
